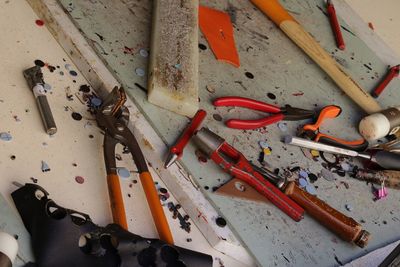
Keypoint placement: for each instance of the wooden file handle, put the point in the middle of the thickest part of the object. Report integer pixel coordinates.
(345, 227)
(390, 177)
(155, 207)
(306, 42)
(116, 200)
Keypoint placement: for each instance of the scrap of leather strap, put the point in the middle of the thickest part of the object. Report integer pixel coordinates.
(62, 237)
(218, 30)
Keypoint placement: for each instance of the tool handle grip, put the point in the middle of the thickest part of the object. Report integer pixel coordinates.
(45, 113)
(387, 160)
(116, 200)
(188, 133)
(391, 178)
(345, 227)
(393, 72)
(244, 102)
(356, 145)
(155, 207)
(336, 27)
(254, 124)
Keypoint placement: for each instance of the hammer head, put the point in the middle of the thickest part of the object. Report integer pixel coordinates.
(207, 141)
(33, 76)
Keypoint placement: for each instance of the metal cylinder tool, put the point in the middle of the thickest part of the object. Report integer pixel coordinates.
(383, 159)
(34, 77)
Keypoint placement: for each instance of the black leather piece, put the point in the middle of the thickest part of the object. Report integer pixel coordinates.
(56, 231)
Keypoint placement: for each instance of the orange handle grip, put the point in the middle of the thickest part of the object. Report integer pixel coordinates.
(155, 207)
(274, 10)
(345, 227)
(116, 201)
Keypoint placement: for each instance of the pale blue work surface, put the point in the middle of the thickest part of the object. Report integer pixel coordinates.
(119, 29)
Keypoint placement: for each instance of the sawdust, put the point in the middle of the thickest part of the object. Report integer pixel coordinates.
(174, 59)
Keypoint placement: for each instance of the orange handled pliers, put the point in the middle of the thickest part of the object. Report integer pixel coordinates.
(113, 117)
(286, 113)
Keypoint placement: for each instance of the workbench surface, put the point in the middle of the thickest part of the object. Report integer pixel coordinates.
(278, 67)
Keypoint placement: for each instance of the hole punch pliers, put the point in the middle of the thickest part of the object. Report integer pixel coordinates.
(113, 117)
(286, 113)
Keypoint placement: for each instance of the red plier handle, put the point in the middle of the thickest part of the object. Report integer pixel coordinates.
(241, 168)
(244, 102)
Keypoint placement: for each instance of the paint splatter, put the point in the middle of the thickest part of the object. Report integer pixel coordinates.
(303, 182)
(271, 96)
(50, 67)
(45, 167)
(140, 72)
(298, 94)
(39, 63)
(282, 126)
(100, 36)
(128, 50)
(84, 88)
(73, 73)
(249, 75)
(95, 102)
(47, 87)
(303, 174)
(202, 46)
(311, 189)
(371, 26)
(5, 136)
(79, 179)
(210, 89)
(312, 177)
(76, 116)
(327, 175)
(217, 117)
(123, 172)
(39, 22)
(143, 52)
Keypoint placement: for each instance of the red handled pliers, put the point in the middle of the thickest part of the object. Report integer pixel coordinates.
(286, 113)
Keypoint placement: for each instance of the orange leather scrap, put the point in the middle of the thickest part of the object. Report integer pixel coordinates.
(218, 30)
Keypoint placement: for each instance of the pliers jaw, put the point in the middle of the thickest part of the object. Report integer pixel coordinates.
(113, 116)
(297, 114)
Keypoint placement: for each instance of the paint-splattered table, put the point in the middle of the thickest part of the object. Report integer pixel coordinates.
(274, 70)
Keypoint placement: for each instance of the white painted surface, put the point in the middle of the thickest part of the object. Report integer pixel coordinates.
(384, 16)
(23, 42)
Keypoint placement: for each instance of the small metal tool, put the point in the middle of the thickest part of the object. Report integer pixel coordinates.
(384, 159)
(176, 151)
(393, 72)
(235, 163)
(335, 25)
(34, 77)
